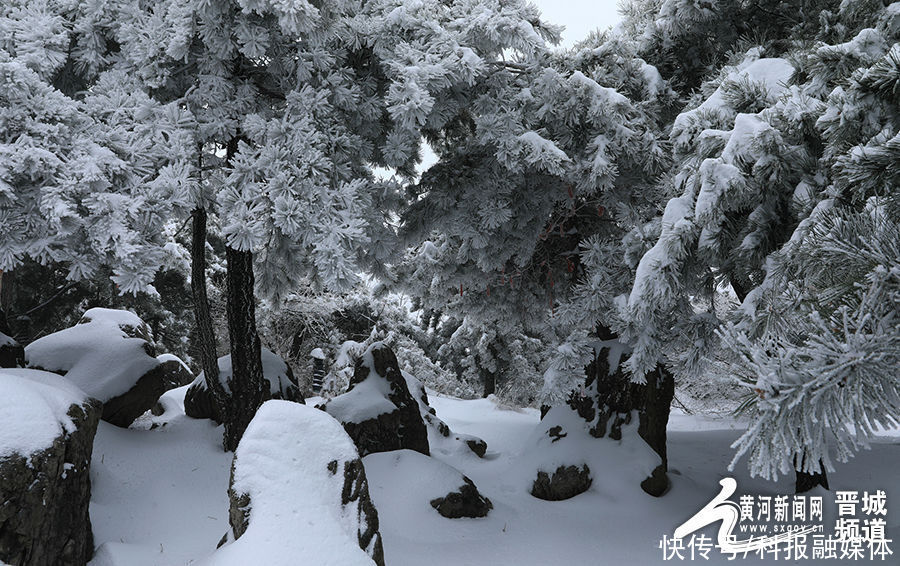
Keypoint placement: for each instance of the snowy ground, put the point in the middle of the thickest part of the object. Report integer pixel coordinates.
(159, 496)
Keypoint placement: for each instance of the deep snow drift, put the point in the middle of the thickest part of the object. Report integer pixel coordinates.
(159, 496)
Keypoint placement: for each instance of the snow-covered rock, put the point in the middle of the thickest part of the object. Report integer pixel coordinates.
(430, 482)
(47, 428)
(440, 438)
(563, 458)
(109, 355)
(378, 411)
(198, 402)
(299, 494)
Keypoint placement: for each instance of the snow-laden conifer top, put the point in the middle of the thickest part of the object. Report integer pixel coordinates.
(772, 73)
(34, 410)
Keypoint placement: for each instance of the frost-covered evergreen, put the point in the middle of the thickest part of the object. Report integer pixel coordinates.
(522, 226)
(784, 177)
(86, 174)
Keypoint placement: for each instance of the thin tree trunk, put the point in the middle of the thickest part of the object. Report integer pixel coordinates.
(4, 292)
(208, 359)
(490, 377)
(246, 384)
(806, 481)
(654, 418)
(490, 384)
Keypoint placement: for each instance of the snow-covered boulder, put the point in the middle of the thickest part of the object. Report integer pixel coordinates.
(299, 494)
(198, 402)
(440, 438)
(430, 482)
(377, 411)
(12, 354)
(110, 356)
(47, 428)
(563, 453)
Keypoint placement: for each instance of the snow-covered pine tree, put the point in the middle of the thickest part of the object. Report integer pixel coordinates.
(294, 104)
(777, 138)
(817, 342)
(824, 374)
(557, 149)
(87, 164)
(494, 358)
(283, 99)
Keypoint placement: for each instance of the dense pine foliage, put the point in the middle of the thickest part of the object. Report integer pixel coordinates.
(708, 191)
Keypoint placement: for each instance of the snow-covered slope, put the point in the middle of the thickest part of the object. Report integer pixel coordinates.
(159, 496)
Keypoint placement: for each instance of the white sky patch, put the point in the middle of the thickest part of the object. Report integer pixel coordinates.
(579, 16)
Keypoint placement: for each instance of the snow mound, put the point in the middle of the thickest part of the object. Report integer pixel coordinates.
(104, 354)
(275, 370)
(287, 463)
(367, 400)
(422, 478)
(441, 439)
(34, 410)
(427, 482)
(563, 439)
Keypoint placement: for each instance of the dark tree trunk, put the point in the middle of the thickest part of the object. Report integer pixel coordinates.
(246, 384)
(208, 358)
(806, 481)
(610, 397)
(490, 384)
(6, 292)
(654, 418)
(490, 377)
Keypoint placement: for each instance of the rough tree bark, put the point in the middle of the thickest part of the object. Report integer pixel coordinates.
(208, 358)
(247, 382)
(490, 384)
(7, 301)
(490, 377)
(612, 397)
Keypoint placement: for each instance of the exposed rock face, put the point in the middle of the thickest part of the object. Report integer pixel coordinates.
(301, 476)
(45, 494)
(378, 411)
(440, 437)
(356, 491)
(110, 355)
(467, 502)
(198, 402)
(565, 482)
(12, 354)
(123, 409)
